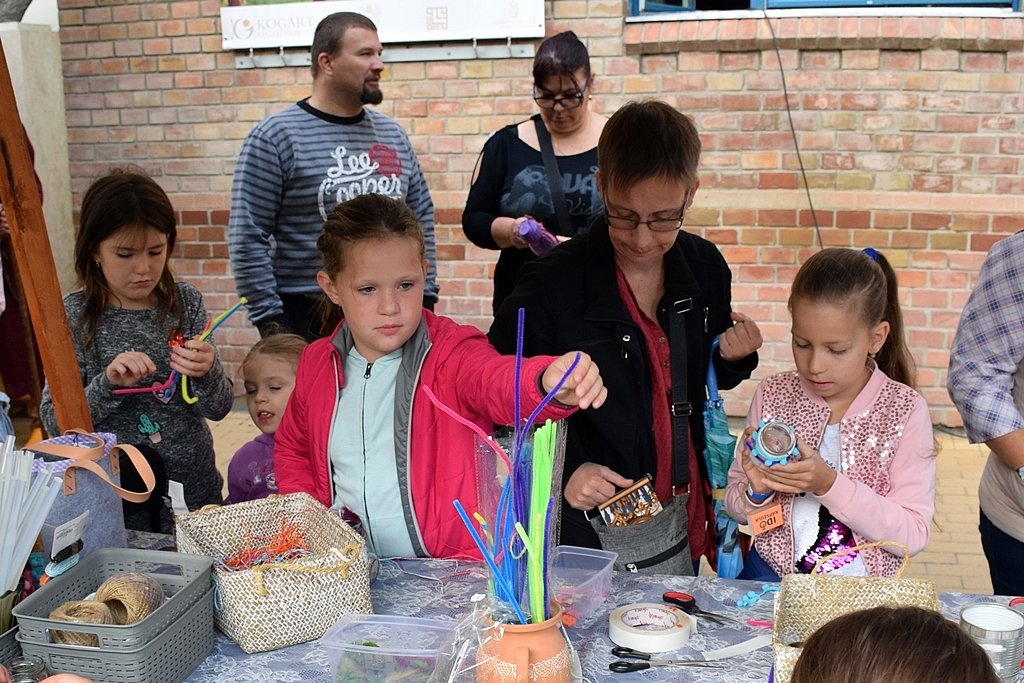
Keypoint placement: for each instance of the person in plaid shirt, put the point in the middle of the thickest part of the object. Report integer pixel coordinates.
(986, 382)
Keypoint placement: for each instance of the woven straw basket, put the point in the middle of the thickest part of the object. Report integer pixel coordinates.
(275, 605)
(808, 601)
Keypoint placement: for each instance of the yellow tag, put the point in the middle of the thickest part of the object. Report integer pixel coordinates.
(766, 520)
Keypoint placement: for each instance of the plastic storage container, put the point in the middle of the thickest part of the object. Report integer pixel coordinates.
(367, 648)
(580, 580)
(168, 658)
(184, 578)
(9, 648)
(165, 647)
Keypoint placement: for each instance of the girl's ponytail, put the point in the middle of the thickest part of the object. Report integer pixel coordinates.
(866, 280)
(894, 357)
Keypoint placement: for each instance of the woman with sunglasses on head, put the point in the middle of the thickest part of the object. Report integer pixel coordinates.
(510, 183)
(646, 300)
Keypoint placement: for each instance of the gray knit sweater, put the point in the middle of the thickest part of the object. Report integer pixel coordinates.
(177, 430)
(295, 166)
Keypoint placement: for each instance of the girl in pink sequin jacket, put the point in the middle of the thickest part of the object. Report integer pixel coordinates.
(870, 474)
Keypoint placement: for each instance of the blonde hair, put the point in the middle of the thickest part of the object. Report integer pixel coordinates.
(286, 347)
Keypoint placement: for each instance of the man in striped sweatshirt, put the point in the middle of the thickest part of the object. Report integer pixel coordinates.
(297, 164)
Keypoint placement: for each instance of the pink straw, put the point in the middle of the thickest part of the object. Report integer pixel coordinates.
(463, 421)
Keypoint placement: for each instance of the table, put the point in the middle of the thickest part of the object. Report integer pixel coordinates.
(413, 588)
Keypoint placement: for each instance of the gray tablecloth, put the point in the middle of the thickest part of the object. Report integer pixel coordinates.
(417, 589)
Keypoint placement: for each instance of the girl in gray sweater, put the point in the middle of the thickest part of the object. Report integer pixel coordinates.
(132, 325)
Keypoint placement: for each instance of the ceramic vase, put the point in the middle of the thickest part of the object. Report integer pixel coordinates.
(526, 653)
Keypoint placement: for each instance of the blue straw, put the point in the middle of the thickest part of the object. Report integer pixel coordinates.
(499, 580)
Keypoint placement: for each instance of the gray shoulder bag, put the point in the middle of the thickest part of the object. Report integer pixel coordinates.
(661, 545)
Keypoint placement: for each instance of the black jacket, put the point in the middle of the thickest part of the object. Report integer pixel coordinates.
(572, 303)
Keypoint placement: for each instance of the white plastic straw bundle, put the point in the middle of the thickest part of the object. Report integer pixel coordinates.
(23, 509)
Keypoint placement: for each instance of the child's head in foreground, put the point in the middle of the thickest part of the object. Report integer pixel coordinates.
(374, 270)
(269, 374)
(892, 645)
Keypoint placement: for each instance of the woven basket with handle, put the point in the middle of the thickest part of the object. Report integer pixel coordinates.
(275, 605)
(808, 601)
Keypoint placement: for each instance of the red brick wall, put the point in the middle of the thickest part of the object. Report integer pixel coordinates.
(912, 132)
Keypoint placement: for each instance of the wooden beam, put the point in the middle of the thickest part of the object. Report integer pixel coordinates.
(31, 243)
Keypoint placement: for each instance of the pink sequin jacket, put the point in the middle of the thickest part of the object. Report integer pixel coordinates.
(886, 491)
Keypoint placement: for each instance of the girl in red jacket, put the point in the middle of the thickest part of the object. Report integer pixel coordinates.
(358, 432)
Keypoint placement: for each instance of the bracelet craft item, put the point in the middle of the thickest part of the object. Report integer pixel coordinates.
(756, 497)
(774, 443)
(632, 505)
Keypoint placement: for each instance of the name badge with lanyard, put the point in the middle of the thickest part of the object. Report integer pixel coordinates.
(661, 544)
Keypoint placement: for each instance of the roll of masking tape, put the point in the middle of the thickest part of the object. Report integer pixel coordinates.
(650, 628)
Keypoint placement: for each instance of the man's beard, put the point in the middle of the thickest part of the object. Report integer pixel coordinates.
(368, 96)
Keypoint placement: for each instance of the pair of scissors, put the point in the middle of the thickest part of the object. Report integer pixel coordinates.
(686, 602)
(621, 667)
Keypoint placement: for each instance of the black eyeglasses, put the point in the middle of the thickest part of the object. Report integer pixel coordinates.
(567, 101)
(655, 224)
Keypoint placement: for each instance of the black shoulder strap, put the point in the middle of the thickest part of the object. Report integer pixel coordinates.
(547, 152)
(679, 409)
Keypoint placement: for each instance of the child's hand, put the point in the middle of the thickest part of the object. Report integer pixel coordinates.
(808, 474)
(740, 340)
(592, 484)
(194, 359)
(751, 467)
(129, 368)
(583, 387)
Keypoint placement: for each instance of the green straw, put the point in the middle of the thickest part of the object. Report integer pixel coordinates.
(540, 493)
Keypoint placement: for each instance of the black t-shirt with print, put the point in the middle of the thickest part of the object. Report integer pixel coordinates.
(512, 182)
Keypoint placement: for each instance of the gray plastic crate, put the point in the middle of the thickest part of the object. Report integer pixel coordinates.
(183, 588)
(9, 648)
(168, 658)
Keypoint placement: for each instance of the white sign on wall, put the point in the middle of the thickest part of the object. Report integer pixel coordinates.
(399, 21)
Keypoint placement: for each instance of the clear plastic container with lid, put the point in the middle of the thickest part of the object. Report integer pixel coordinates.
(580, 580)
(384, 647)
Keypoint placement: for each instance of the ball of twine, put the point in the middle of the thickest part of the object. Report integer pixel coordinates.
(150, 587)
(126, 601)
(82, 612)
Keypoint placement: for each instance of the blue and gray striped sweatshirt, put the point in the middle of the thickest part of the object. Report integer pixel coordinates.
(294, 167)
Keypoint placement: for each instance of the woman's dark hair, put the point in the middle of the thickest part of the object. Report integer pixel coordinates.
(894, 645)
(865, 280)
(644, 140)
(367, 217)
(285, 347)
(561, 55)
(124, 199)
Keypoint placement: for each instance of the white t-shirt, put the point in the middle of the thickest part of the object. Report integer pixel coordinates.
(806, 508)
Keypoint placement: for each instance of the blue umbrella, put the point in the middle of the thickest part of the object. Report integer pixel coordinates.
(718, 451)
